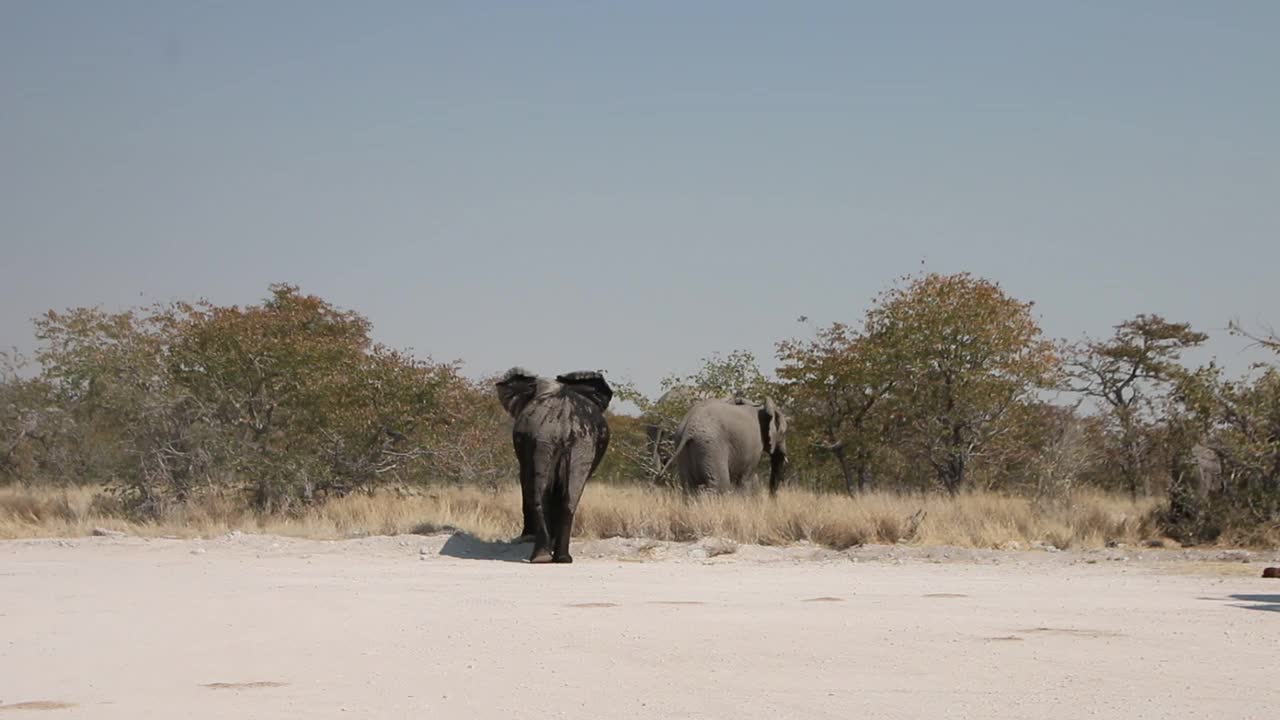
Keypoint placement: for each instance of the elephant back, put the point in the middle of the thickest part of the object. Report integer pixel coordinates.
(727, 420)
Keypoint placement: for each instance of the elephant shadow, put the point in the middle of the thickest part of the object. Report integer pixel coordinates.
(466, 546)
(1269, 603)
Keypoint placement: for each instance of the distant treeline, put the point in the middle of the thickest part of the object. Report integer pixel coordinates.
(938, 386)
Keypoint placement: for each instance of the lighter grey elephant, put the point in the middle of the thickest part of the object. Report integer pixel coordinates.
(719, 443)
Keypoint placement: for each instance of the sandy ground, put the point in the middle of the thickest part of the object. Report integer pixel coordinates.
(442, 627)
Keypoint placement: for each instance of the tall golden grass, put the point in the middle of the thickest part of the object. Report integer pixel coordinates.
(979, 520)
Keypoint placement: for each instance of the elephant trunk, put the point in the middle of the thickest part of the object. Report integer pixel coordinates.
(777, 459)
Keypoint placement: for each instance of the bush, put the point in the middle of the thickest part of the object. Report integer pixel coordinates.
(283, 402)
(1224, 441)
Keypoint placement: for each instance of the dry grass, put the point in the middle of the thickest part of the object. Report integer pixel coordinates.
(982, 520)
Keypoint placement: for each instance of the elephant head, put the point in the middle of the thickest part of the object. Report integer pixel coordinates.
(773, 437)
(560, 435)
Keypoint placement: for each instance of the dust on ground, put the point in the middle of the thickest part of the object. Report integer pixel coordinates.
(449, 625)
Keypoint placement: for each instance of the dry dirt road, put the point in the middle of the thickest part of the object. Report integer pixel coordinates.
(441, 627)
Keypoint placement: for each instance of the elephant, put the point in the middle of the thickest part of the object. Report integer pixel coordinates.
(1209, 475)
(720, 440)
(560, 435)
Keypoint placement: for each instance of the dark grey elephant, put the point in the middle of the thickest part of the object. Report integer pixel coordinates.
(719, 443)
(560, 435)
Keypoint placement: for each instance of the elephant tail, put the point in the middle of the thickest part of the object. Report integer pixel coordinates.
(679, 448)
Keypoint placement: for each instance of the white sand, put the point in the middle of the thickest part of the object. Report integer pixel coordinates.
(391, 628)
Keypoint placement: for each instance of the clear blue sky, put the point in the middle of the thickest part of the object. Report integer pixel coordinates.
(633, 186)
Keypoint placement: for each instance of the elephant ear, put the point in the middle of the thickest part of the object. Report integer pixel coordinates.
(589, 384)
(516, 388)
(771, 425)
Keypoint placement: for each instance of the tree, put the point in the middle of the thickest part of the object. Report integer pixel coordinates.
(734, 375)
(284, 401)
(1267, 339)
(834, 383)
(1126, 374)
(1048, 450)
(964, 355)
(472, 439)
(1222, 440)
(315, 406)
(1248, 437)
(29, 422)
(1185, 440)
(126, 425)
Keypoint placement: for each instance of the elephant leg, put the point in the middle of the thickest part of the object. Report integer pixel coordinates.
(717, 470)
(700, 478)
(543, 481)
(526, 448)
(526, 511)
(527, 504)
(551, 511)
(581, 462)
(684, 468)
(563, 531)
(700, 466)
(541, 537)
(724, 481)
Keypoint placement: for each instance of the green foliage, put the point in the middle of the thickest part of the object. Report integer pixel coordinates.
(468, 438)
(836, 388)
(284, 402)
(734, 375)
(935, 379)
(1128, 375)
(937, 385)
(1223, 442)
(30, 422)
(124, 424)
(312, 406)
(626, 459)
(966, 355)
